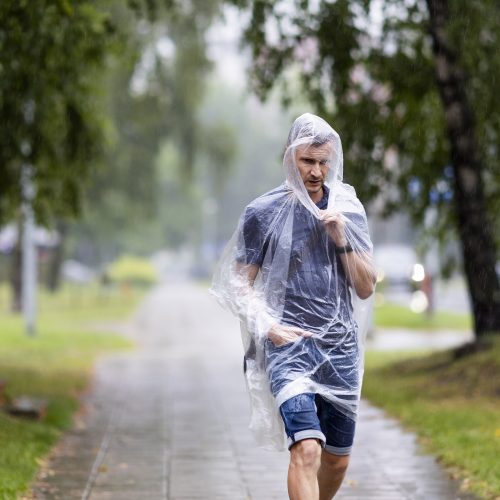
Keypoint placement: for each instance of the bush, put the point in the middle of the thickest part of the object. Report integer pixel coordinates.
(129, 270)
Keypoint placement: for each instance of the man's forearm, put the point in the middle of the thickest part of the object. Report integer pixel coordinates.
(252, 309)
(360, 272)
(357, 266)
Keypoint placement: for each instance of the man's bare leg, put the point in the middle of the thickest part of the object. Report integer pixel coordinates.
(305, 458)
(331, 473)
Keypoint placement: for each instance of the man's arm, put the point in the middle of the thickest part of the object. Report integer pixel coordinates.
(248, 272)
(358, 266)
(360, 272)
(278, 334)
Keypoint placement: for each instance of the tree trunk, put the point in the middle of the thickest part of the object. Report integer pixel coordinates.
(54, 270)
(16, 272)
(478, 246)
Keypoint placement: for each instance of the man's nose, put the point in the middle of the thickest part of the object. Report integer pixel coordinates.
(315, 169)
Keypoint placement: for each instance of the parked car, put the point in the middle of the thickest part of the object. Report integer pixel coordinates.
(398, 266)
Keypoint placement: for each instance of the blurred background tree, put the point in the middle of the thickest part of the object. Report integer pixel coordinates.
(408, 87)
(154, 91)
(50, 53)
(88, 105)
(50, 56)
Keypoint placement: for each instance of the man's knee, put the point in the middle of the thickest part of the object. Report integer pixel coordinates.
(306, 453)
(336, 464)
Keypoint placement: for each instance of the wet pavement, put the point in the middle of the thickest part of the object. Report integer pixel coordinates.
(169, 421)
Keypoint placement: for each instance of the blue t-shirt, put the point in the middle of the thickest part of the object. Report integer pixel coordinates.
(317, 296)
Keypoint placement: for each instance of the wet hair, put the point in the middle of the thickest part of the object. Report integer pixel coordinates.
(323, 139)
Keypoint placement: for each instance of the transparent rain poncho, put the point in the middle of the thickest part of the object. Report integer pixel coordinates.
(282, 272)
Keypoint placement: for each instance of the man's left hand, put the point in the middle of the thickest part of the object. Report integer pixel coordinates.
(335, 226)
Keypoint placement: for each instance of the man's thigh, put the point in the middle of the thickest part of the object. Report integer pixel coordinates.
(301, 419)
(338, 428)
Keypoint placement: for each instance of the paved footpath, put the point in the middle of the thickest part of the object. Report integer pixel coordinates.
(169, 421)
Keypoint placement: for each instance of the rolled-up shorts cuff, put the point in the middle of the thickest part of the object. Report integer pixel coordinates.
(334, 450)
(307, 434)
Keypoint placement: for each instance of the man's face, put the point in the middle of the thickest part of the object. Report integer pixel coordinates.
(313, 163)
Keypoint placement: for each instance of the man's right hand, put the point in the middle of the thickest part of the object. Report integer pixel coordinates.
(283, 334)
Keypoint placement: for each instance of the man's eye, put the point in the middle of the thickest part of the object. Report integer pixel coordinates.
(325, 162)
(309, 161)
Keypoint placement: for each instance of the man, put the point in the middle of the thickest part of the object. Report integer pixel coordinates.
(288, 274)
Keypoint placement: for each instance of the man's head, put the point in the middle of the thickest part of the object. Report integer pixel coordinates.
(313, 163)
(310, 146)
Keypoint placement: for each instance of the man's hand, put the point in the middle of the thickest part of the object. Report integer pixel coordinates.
(335, 226)
(358, 266)
(282, 334)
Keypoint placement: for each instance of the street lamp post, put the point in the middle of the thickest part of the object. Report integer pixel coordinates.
(29, 261)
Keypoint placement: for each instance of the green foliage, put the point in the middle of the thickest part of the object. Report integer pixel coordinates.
(450, 402)
(88, 92)
(219, 149)
(54, 365)
(376, 85)
(154, 94)
(474, 32)
(50, 56)
(133, 271)
(410, 95)
(257, 165)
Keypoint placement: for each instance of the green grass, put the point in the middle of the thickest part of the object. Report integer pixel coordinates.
(56, 365)
(395, 316)
(452, 403)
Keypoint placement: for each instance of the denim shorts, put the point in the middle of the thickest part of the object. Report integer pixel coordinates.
(310, 416)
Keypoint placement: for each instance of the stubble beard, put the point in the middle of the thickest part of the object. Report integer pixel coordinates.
(315, 188)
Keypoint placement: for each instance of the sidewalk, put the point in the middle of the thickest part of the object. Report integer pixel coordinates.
(169, 421)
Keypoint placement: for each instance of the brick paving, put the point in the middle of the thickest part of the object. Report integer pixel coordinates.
(169, 421)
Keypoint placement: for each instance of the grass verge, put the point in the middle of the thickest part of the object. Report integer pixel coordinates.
(54, 365)
(451, 401)
(389, 315)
